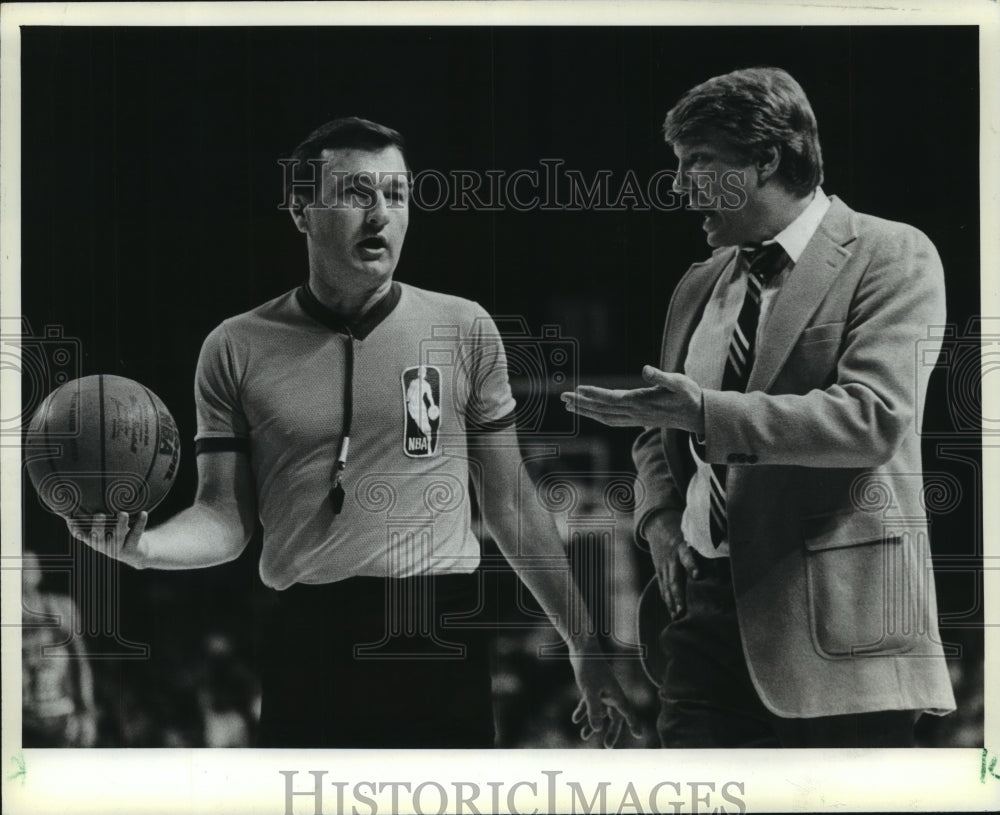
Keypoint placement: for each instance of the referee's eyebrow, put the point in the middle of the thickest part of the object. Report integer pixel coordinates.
(399, 178)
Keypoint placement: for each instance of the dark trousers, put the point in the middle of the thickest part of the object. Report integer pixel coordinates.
(369, 662)
(708, 699)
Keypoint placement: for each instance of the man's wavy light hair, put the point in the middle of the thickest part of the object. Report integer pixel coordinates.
(753, 109)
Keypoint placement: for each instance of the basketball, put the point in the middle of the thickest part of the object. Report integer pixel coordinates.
(102, 444)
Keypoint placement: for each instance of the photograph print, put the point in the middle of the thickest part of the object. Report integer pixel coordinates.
(486, 387)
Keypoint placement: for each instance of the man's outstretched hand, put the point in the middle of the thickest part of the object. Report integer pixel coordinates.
(674, 400)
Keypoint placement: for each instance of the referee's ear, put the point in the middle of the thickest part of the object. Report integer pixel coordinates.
(298, 213)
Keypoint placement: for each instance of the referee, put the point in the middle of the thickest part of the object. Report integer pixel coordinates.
(344, 414)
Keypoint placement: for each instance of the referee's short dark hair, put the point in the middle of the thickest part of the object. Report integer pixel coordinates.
(349, 132)
(752, 109)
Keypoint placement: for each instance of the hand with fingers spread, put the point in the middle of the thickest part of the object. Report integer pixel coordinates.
(672, 558)
(116, 539)
(603, 706)
(674, 400)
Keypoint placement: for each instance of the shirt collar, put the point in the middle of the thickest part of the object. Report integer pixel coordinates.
(361, 327)
(794, 237)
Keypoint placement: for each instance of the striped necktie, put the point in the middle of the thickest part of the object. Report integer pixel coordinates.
(764, 262)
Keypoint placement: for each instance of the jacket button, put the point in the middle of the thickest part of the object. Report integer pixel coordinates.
(752, 458)
(733, 457)
(743, 458)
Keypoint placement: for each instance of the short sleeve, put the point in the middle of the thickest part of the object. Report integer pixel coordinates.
(490, 405)
(222, 424)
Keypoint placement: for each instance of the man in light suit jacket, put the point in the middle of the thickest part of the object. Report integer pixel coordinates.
(779, 474)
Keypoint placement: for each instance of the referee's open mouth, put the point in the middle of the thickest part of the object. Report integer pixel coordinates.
(373, 247)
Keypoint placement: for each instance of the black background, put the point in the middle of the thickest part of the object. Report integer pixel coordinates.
(151, 193)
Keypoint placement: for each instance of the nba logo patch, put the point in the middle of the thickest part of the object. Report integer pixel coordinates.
(421, 410)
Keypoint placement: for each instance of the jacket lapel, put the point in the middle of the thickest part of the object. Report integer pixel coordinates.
(683, 314)
(687, 305)
(803, 291)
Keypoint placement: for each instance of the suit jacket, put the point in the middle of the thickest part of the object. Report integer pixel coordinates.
(828, 534)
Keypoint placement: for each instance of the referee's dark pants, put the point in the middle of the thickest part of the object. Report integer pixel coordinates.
(370, 662)
(707, 698)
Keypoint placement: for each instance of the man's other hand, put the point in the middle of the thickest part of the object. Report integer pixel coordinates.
(673, 559)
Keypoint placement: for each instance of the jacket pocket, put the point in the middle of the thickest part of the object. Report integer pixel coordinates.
(813, 360)
(862, 586)
(825, 332)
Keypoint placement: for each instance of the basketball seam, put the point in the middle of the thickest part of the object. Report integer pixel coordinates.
(48, 442)
(156, 446)
(100, 399)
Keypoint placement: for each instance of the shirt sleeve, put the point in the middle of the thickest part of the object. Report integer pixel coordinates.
(222, 424)
(490, 405)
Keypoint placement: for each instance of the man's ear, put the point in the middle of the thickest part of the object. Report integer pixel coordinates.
(298, 213)
(767, 161)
